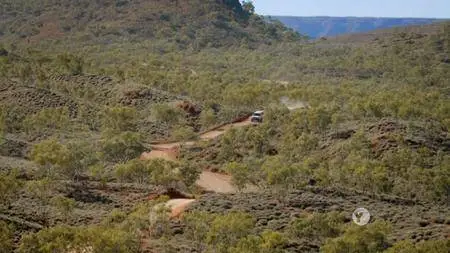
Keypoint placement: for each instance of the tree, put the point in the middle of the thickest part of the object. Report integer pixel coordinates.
(198, 225)
(267, 242)
(41, 190)
(158, 172)
(207, 118)
(121, 147)
(318, 226)
(229, 145)
(183, 133)
(248, 6)
(83, 155)
(72, 64)
(9, 186)
(6, 238)
(70, 160)
(189, 173)
(226, 230)
(369, 239)
(64, 205)
(47, 119)
(133, 171)
(431, 246)
(51, 156)
(240, 174)
(167, 114)
(119, 119)
(164, 173)
(281, 176)
(95, 239)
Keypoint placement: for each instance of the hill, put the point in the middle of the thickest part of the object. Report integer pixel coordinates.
(87, 87)
(186, 23)
(316, 27)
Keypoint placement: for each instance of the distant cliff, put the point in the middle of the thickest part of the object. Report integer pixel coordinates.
(316, 27)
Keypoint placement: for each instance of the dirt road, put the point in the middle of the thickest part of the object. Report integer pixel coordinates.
(209, 135)
(215, 182)
(208, 180)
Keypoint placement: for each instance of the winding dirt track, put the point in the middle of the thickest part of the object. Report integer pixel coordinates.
(208, 180)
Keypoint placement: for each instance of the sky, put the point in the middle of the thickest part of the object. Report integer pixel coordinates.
(357, 8)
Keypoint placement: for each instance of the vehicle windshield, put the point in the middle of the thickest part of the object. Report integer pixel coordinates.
(256, 114)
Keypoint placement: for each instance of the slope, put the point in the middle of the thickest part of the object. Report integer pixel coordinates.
(185, 23)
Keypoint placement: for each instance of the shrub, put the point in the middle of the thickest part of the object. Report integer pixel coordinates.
(47, 119)
(357, 239)
(95, 239)
(70, 160)
(226, 230)
(183, 133)
(318, 225)
(432, 246)
(6, 238)
(120, 119)
(121, 147)
(9, 186)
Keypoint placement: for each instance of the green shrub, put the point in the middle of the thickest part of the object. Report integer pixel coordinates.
(183, 133)
(432, 246)
(6, 238)
(371, 238)
(94, 239)
(9, 186)
(318, 226)
(119, 119)
(227, 230)
(122, 147)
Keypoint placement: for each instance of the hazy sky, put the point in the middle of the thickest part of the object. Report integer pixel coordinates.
(359, 8)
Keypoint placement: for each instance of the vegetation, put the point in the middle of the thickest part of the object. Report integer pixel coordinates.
(84, 91)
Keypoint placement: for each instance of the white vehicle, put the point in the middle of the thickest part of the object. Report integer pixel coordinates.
(257, 117)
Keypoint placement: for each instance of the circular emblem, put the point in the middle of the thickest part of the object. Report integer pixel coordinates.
(361, 216)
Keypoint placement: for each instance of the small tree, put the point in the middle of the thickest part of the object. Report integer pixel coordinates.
(41, 190)
(207, 118)
(226, 230)
(371, 239)
(189, 173)
(197, 227)
(95, 239)
(318, 226)
(64, 205)
(70, 160)
(51, 156)
(434, 246)
(267, 242)
(240, 174)
(119, 119)
(168, 114)
(9, 186)
(164, 173)
(183, 133)
(72, 64)
(248, 6)
(133, 171)
(121, 147)
(282, 177)
(6, 238)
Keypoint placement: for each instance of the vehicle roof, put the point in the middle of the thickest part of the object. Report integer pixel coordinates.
(259, 112)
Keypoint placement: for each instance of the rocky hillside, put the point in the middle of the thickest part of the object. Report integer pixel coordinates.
(187, 23)
(316, 27)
